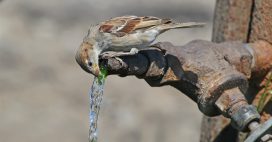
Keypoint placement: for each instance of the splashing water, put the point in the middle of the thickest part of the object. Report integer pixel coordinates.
(96, 94)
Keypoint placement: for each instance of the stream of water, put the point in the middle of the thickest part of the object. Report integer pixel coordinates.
(95, 94)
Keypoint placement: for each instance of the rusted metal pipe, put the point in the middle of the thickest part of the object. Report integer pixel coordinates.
(146, 64)
(131, 65)
(262, 53)
(233, 104)
(213, 75)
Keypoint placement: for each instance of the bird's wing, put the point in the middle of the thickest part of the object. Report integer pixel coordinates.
(121, 26)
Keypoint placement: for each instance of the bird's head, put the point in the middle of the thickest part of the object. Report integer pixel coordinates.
(87, 57)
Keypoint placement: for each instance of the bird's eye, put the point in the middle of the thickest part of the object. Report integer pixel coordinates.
(90, 63)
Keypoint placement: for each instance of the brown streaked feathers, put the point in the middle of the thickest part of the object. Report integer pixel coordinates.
(120, 26)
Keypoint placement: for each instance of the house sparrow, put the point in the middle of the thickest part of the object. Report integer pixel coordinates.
(122, 34)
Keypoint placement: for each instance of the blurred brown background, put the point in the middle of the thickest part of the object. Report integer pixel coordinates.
(44, 93)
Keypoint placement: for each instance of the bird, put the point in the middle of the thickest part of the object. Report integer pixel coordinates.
(126, 33)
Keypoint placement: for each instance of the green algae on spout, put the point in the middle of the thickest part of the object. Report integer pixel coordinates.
(96, 95)
(103, 74)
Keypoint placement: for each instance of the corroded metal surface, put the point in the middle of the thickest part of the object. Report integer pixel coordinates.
(201, 69)
(263, 56)
(243, 26)
(239, 56)
(233, 104)
(261, 29)
(228, 99)
(262, 21)
(130, 65)
(259, 133)
(231, 20)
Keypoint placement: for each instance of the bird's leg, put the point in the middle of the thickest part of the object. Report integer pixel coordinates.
(110, 54)
(116, 55)
(132, 51)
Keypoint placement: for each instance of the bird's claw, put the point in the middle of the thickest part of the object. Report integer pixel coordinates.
(107, 55)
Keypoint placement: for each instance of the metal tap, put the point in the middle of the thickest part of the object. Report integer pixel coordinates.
(215, 76)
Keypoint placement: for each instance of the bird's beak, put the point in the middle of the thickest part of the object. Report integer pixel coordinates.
(94, 69)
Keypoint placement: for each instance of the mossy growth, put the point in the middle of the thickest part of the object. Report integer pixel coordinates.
(266, 96)
(102, 75)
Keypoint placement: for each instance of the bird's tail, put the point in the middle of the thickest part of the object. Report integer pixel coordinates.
(173, 25)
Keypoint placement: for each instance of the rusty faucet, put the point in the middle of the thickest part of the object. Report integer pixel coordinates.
(213, 75)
